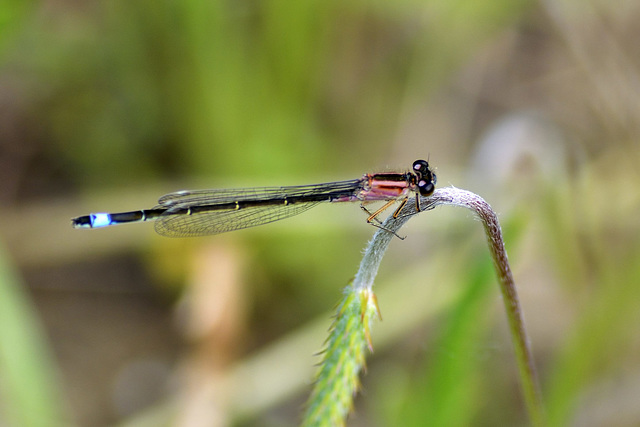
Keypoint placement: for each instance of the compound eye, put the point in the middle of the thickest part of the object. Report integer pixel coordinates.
(426, 188)
(421, 166)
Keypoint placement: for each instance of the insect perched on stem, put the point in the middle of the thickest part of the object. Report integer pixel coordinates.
(206, 212)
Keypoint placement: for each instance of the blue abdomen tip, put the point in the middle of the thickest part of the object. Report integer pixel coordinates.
(100, 220)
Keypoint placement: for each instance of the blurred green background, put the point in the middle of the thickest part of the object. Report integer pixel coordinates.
(104, 106)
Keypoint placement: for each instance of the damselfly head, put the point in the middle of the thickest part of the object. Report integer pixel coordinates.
(425, 178)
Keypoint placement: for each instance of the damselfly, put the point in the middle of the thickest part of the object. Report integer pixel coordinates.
(205, 212)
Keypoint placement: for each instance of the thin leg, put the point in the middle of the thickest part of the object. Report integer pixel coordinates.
(390, 231)
(384, 207)
(374, 217)
(397, 212)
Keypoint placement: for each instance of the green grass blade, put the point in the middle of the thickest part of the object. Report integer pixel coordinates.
(29, 390)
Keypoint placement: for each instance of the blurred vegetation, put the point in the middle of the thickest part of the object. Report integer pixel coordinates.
(108, 105)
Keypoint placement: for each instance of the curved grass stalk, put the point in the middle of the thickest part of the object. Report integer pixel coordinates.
(345, 353)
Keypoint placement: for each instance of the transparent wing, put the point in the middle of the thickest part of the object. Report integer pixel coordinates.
(214, 222)
(211, 197)
(174, 223)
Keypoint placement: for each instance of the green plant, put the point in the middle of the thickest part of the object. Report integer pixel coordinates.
(344, 356)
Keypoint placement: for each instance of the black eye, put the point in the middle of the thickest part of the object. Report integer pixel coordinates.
(421, 166)
(426, 188)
